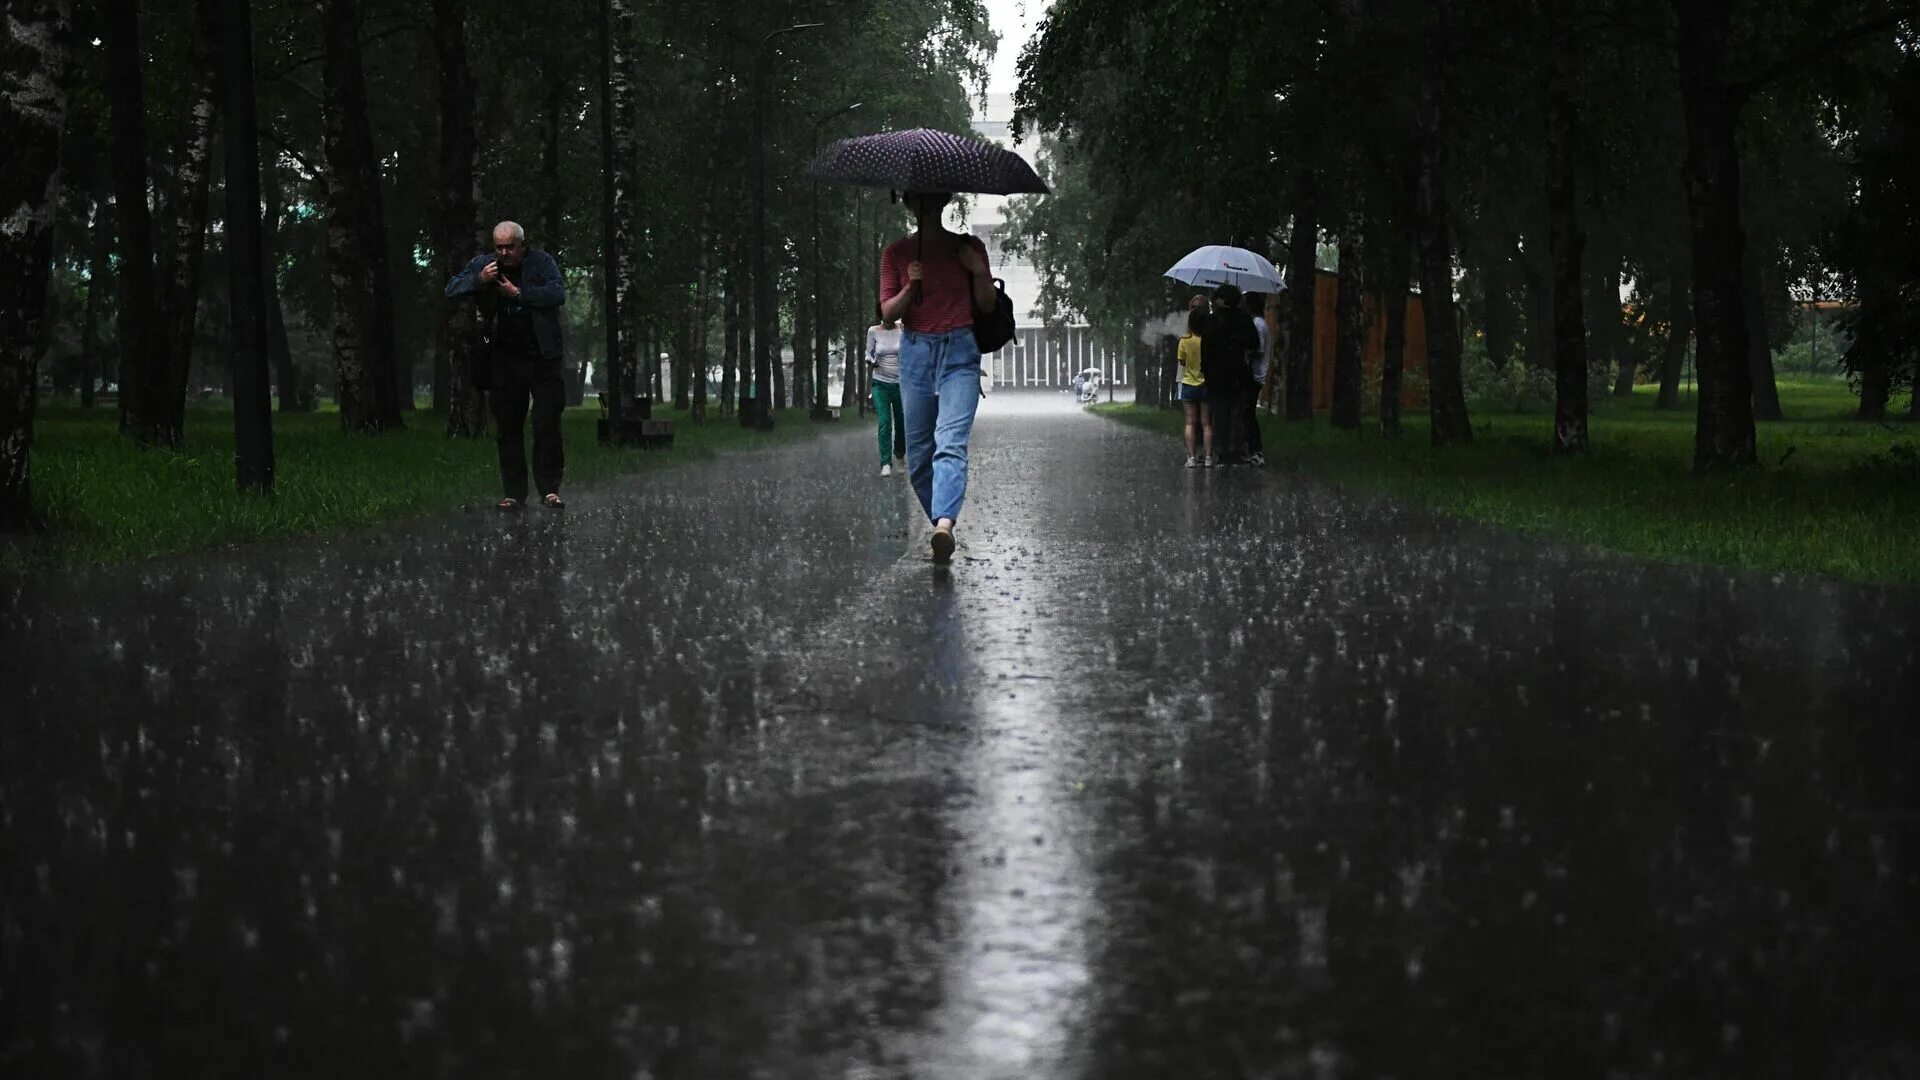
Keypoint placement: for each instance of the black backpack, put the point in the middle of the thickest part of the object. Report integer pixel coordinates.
(993, 329)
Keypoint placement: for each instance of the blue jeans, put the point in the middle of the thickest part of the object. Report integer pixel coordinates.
(939, 391)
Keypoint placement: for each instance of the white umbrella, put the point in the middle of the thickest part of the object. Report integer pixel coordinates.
(1218, 264)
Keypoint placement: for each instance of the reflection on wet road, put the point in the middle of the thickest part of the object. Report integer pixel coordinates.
(1174, 774)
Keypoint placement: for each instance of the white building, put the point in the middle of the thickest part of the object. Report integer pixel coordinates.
(1038, 355)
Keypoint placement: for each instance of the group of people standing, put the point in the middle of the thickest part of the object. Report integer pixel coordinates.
(1223, 367)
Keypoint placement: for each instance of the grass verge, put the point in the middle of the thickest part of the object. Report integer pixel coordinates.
(1833, 496)
(104, 499)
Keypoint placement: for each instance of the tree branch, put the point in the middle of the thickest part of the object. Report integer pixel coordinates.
(397, 28)
(288, 149)
(1820, 47)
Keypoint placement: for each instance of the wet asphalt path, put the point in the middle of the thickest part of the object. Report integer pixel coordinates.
(1175, 774)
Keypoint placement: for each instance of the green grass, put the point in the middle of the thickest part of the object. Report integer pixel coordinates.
(104, 499)
(1832, 496)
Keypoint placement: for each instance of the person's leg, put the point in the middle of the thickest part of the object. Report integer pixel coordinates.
(1193, 418)
(509, 399)
(886, 398)
(1226, 421)
(1251, 418)
(919, 409)
(899, 428)
(549, 454)
(1206, 425)
(959, 398)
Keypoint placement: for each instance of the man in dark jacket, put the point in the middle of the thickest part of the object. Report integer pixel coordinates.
(1226, 349)
(520, 293)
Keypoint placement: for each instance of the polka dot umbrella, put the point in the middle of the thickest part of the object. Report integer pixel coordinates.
(926, 160)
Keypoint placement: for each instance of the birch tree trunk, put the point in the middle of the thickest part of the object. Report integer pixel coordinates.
(99, 276)
(33, 115)
(730, 346)
(624, 373)
(295, 383)
(187, 231)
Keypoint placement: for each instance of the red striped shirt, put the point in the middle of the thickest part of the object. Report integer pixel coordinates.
(946, 297)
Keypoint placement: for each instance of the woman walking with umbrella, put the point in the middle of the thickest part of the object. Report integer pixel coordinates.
(935, 283)
(931, 281)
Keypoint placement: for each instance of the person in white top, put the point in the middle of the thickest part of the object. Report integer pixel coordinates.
(883, 356)
(1256, 450)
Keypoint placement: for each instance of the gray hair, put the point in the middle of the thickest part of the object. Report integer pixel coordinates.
(513, 228)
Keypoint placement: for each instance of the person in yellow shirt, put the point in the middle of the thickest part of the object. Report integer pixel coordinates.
(1193, 389)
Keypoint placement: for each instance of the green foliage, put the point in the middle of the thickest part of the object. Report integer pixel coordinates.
(1833, 497)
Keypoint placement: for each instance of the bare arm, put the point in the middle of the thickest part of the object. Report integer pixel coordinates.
(973, 256)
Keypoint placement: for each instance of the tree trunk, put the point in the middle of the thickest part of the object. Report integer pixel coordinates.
(1301, 281)
(33, 115)
(730, 342)
(1627, 373)
(1724, 434)
(1876, 386)
(99, 273)
(1679, 328)
(1536, 268)
(295, 384)
(700, 354)
(655, 346)
(186, 240)
(457, 231)
(551, 189)
(356, 231)
(1501, 318)
(1566, 244)
(1446, 394)
(1349, 312)
(1606, 328)
(802, 355)
(252, 394)
(772, 321)
(143, 367)
(683, 364)
(1766, 391)
(624, 373)
(1393, 294)
(612, 336)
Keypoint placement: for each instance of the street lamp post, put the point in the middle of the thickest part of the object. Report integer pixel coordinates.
(818, 343)
(761, 414)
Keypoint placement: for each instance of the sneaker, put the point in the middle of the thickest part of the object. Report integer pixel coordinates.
(1193, 462)
(886, 470)
(1257, 459)
(942, 545)
(1206, 463)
